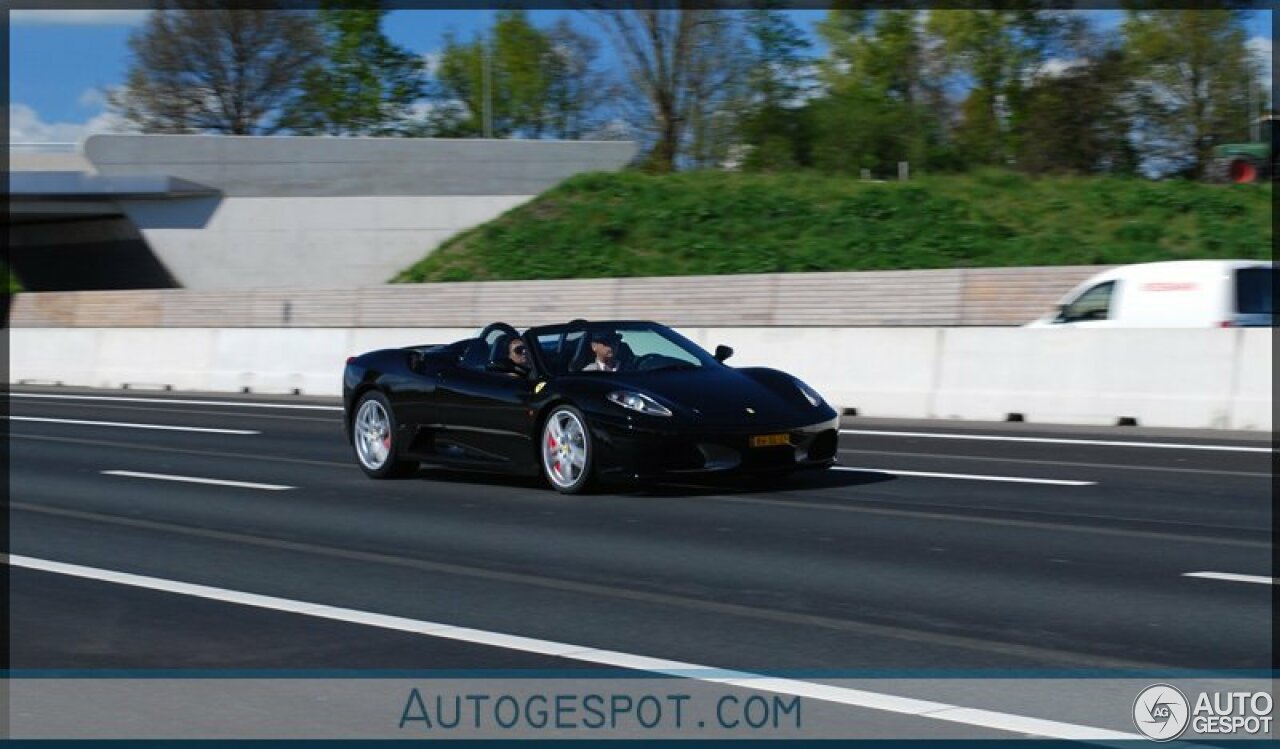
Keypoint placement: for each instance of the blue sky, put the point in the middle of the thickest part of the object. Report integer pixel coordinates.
(56, 95)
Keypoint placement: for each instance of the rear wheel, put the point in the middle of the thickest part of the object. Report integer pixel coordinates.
(1239, 170)
(373, 435)
(566, 450)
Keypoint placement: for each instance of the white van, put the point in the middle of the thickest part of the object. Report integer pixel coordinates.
(1174, 294)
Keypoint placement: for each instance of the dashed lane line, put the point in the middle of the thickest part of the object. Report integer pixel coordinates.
(197, 480)
(968, 476)
(131, 425)
(184, 402)
(1058, 440)
(1232, 577)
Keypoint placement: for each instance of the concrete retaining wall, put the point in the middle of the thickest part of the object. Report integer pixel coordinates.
(959, 296)
(312, 212)
(1219, 379)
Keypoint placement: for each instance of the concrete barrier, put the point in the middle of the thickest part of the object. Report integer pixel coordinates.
(1157, 377)
(1216, 379)
(1253, 384)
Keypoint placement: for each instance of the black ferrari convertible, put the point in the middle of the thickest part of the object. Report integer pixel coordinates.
(578, 402)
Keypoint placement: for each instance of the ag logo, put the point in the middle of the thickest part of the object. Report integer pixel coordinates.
(1161, 712)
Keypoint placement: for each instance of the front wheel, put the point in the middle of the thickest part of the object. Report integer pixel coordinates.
(373, 435)
(566, 450)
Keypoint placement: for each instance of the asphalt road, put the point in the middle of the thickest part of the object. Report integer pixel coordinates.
(927, 555)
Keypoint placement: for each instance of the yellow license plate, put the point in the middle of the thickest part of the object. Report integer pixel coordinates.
(769, 440)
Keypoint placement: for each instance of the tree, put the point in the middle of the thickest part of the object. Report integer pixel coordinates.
(363, 84)
(884, 101)
(778, 75)
(994, 52)
(532, 81)
(774, 122)
(1078, 119)
(521, 52)
(575, 89)
(460, 88)
(679, 58)
(1193, 71)
(198, 66)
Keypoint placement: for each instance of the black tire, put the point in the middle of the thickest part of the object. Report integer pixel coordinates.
(565, 450)
(375, 439)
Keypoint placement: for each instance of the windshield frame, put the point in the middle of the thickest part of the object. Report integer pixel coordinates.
(564, 330)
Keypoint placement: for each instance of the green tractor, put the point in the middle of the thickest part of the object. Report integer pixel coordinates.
(1246, 163)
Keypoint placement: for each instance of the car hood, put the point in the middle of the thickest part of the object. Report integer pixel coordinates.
(717, 396)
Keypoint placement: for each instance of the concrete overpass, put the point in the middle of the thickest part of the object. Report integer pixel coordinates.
(222, 212)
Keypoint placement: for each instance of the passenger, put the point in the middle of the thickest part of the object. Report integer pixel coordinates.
(605, 345)
(518, 354)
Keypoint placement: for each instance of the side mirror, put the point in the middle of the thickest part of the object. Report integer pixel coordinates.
(723, 352)
(415, 361)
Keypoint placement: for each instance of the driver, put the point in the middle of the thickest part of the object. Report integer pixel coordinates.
(605, 345)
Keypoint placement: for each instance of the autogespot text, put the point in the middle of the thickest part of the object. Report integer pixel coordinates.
(438, 711)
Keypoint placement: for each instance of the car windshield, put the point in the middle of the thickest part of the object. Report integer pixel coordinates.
(623, 347)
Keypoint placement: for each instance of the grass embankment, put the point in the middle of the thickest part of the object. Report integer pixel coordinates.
(630, 224)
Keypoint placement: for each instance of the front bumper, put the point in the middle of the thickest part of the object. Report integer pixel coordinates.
(627, 450)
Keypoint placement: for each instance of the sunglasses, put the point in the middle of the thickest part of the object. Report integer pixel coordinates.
(521, 350)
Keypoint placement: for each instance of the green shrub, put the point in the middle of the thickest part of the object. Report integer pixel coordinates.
(635, 224)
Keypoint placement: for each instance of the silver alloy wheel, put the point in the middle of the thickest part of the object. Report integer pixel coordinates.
(564, 449)
(372, 434)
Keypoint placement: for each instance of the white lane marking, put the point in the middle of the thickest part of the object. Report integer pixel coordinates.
(1233, 577)
(823, 692)
(1058, 441)
(129, 425)
(969, 476)
(245, 404)
(197, 480)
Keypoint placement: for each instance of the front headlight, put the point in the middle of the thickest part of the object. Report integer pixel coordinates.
(638, 402)
(809, 394)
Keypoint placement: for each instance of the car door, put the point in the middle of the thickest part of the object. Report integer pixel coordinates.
(486, 414)
(413, 394)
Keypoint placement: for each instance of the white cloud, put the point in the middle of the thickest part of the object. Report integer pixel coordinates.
(431, 61)
(92, 98)
(1261, 48)
(79, 17)
(26, 126)
(1055, 67)
(615, 129)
